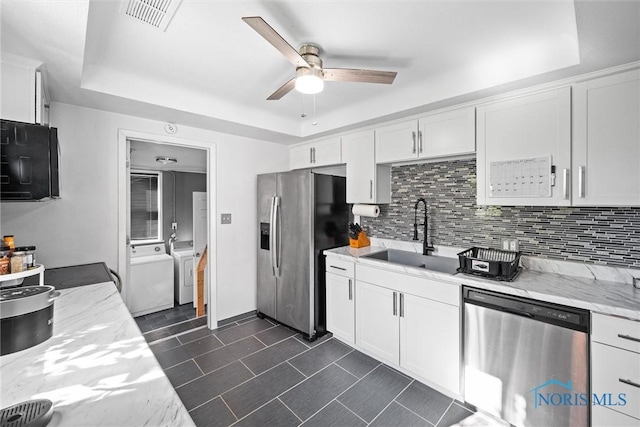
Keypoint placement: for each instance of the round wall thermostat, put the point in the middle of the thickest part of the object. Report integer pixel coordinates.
(170, 128)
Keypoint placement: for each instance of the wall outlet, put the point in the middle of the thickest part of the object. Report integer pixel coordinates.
(510, 245)
(225, 218)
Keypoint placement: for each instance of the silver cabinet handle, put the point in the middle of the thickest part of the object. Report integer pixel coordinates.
(395, 303)
(310, 155)
(629, 337)
(629, 382)
(581, 177)
(413, 139)
(350, 290)
(420, 142)
(371, 189)
(314, 155)
(565, 183)
(338, 268)
(401, 305)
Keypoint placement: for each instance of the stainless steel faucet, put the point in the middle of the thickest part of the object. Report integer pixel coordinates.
(426, 247)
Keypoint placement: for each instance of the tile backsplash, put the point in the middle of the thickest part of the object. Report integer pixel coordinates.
(597, 235)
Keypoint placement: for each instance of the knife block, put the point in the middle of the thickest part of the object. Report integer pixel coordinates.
(361, 242)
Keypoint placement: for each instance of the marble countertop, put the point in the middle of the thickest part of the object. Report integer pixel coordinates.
(97, 369)
(603, 290)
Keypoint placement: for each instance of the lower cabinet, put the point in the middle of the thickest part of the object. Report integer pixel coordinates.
(340, 307)
(418, 334)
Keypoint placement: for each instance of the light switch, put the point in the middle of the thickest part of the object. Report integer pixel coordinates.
(225, 218)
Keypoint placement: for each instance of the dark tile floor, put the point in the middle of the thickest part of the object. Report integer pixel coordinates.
(253, 372)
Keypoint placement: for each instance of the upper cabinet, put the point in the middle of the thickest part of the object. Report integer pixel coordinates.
(606, 141)
(24, 94)
(317, 153)
(524, 150)
(367, 182)
(444, 134)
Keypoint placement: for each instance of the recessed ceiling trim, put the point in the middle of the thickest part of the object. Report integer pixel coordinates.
(157, 13)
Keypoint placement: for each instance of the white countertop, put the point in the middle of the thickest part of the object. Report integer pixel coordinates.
(603, 296)
(97, 369)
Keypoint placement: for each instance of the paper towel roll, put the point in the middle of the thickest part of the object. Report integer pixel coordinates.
(366, 210)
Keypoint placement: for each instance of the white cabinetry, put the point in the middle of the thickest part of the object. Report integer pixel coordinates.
(367, 182)
(340, 299)
(315, 154)
(412, 323)
(606, 141)
(443, 134)
(514, 132)
(24, 95)
(615, 370)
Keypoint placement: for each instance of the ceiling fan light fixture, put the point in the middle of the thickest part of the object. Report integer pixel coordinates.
(309, 80)
(166, 160)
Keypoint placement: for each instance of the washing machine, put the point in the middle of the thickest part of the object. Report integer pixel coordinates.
(183, 276)
(151, 279)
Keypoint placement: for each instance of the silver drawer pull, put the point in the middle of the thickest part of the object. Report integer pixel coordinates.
(338, 268)
(628, 337)
(350, 290)
(629, 382)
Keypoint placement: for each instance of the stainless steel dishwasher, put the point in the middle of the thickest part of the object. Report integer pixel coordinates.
(526, 361)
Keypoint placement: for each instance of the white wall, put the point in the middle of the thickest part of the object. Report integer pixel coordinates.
(82, 226)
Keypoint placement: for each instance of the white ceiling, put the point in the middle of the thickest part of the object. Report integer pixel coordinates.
(211, 70)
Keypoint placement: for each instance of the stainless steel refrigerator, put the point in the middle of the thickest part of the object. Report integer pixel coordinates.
(300, 214)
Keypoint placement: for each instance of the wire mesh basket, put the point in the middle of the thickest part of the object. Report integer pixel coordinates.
(493, 263)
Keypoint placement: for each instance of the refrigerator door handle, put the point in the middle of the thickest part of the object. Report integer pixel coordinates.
(272, 236)
(278, 239)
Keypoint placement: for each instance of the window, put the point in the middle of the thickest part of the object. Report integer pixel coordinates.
(146, 207)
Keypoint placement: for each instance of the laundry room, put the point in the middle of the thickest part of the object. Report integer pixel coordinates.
(166, 185)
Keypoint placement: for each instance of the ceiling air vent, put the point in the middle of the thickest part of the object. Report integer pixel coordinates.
(157, 13)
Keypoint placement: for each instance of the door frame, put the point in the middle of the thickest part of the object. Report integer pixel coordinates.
(123, 156)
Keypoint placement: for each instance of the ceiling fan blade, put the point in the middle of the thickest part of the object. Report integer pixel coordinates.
(270, 35)
(282, 90)
(365, 76)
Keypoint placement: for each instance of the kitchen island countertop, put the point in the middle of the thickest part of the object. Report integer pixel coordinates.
(97, 369)
(602, 296)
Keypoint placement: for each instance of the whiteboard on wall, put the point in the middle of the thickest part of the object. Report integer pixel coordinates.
(529, 177)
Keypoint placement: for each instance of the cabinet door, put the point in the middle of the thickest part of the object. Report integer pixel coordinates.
(518, 132)
(377, 329)
(615, 371)
(447, 134)
(18, 92)
(366, 181)
(397, 142)
(430, 340)
(301, 157)
(327, 152)
(606, 144)
(340, 307)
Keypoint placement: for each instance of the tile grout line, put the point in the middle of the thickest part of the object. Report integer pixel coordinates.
(229, 408)
(416, 414)
(445, 411)
(348, 409)
(291, 410)
(393, 400)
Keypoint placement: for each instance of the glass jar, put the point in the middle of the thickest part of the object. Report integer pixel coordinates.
(5, 260)
(17, 260)
(29, 257)
(10, 241)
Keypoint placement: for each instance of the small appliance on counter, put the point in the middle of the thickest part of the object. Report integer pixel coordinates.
(32, 413)
(78, 275)
(26, 317)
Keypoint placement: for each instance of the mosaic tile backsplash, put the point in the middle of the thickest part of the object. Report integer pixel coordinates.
(608, 236)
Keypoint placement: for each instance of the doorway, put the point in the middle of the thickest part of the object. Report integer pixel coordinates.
(194, 162)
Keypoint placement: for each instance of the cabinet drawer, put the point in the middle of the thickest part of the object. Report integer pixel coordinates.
(610, 368)
(616, 331)
(340, 267)
(602, 416)
(448, 293)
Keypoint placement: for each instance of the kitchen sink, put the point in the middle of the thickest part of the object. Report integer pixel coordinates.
(414, 259)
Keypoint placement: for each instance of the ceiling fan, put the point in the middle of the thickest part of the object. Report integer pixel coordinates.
(310, 76)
